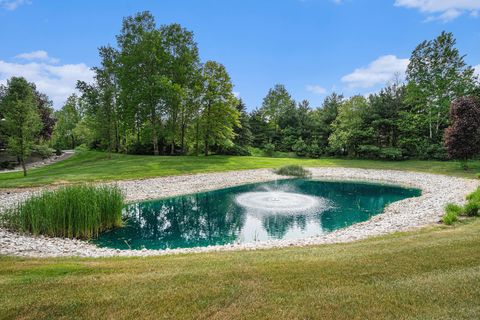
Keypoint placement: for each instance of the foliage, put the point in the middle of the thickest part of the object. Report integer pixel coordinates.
(452, 211)
(43, 150)
(70, 212)
(293, 170)
(22, 122)
(462, 138)
(436, 75)
(218, 107)
(471, 209)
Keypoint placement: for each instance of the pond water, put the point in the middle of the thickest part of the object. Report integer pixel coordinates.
(283, 209)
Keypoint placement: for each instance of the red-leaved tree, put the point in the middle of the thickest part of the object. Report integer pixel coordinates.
(462, 137)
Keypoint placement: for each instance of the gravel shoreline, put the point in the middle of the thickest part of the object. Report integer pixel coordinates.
(404, 215)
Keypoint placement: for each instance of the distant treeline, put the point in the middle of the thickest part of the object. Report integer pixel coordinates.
(152, 95)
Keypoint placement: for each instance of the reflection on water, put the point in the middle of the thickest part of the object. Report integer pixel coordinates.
(214, 218)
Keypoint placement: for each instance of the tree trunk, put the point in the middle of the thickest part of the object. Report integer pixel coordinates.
(24, 167)
(154, 136)
(197, 138)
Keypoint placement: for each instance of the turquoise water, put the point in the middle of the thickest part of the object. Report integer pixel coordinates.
(217, 217)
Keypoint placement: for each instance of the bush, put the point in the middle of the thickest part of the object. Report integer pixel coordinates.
(269, 149)
(472, 209)
(391, 154)
(8, 165)
(452, 211)
(368, 151)
(293, 170)
(235, 150)
(69, 212)
(43, 151)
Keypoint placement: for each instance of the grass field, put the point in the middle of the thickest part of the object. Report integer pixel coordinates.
(429, 274)
(88, 166)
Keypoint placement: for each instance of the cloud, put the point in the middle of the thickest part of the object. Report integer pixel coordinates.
(57, 81)
(39, 55)
(445, 10)
(378, 72)
(316, 89)
(477, 70)
(12, 4)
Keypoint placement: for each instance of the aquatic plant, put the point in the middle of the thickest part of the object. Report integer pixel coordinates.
(293, 170)
(81, 211)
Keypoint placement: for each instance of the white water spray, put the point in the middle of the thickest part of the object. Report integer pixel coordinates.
(281, 202)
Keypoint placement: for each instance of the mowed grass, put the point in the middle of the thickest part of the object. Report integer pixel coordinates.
(429, 274)
(90, 166)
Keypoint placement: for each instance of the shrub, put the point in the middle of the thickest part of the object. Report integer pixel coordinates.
(43, 151)
(452, 211)
(293, 170)
(8, 165)
(70, 212)
(269, 149)
(368, 151)
(472, 209)
(235, 150)
(391, 154)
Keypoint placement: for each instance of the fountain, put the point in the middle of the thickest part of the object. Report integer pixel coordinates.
(280, 202)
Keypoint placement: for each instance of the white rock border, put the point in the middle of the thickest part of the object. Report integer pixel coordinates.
(404, 215)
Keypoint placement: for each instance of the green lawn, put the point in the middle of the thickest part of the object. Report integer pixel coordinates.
(99, 166)
(429, 274)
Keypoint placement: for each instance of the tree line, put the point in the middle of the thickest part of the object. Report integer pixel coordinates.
(151, 94)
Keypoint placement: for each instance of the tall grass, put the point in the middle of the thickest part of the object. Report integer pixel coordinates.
(293, 170)
(471, 209)
(71, 212)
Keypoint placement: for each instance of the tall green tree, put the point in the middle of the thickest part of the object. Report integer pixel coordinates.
(68, 117)
(275, 104)
(436, 75)
(243, 133)
(143, 75)
(219, 115)
(22, 121)
(347, 129)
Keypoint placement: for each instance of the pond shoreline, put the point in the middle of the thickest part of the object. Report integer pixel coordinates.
(404, 215)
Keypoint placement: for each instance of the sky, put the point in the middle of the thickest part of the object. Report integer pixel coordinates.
(313, 47)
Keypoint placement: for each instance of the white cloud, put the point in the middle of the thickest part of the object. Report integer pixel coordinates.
(316, 89)
(57, 81)
(477, 70)
(379, 72)
(12, 4)
(39, 55)
(445, 10)
(236, 94)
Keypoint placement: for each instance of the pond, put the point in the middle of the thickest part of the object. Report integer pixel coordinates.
(282, 209)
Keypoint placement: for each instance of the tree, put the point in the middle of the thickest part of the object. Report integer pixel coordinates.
(436, 75)
(243, 134)
(142, 76)
(347, 133)
(323, 118)
(462, 137)
(277, 102)
(46, 113)
(219, 115)
(22, 121)
(67, 119)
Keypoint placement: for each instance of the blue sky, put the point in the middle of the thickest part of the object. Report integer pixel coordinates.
(313, 47)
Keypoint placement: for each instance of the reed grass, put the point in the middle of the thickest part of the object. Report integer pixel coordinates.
(81, 211)
(293, 170)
